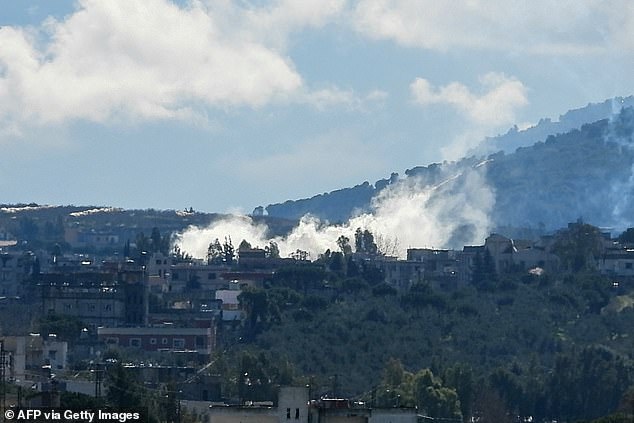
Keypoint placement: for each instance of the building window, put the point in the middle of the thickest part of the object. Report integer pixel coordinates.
(200, 342)
(628, 265)
(179, 343)
(297, 414)
(112, 341)
(107, 307)
(135, 342)
(152, 341)
(164, 341)
(288, 413)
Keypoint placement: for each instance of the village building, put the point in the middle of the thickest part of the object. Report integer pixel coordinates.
(293, 405)
(97, 297)
(164, 338)
(33, 356)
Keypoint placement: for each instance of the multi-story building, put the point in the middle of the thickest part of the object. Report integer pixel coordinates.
(97, 297)
(518, 255)
(27, 356)
(617, 262)
(164, 338)
(15, 270)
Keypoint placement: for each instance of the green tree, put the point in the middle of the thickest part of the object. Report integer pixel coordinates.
(272, 250)
(627, 237)
(460, 378)
(143, 243)
(244, 245)
(437, 400)
(123, 389)
(343, 242)
(484, 275)
(255, 302)
(215, 253)
(364, 242)
(155, 240)
(394, 373)
(67, 328)
(577, 246)
(588, 384)
(228, 250)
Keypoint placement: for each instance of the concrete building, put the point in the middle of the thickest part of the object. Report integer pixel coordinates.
(400, 274)
(519, 255)
(15, 270)
(33, 356)
(230, 304)
(82, 238)
(161, 339)
(439, 267)
(99, 297)
(158, 269)
(617, 262)
(196, 276)
(294, 406)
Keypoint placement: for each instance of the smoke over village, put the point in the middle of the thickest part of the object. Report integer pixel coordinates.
(408, 213)
(442, 225)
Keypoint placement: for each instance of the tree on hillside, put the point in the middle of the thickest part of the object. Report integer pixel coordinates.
(490, 407)
(256, 304)
(272, 250)
(364, 242)
(437, 400)
(577, 246)
(484, 275)
(627, 237)
(460, 378)
(343, 242)
(229, 251)
(244, 245)
(122, 388)
(215, 253)
(423, 390)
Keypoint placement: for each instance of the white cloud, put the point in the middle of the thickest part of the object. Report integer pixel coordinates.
(275, 22)
(127, 60)
(540, 26)
(495, 106)
(326, 97)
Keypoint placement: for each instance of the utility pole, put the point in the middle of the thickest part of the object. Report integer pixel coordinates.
(335, 385)
(2, 377)
(98, 380)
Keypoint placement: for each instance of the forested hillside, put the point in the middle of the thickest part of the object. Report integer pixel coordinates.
(586, 172)
(556, 347)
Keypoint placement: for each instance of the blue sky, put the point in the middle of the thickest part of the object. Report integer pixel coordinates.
(226, 105)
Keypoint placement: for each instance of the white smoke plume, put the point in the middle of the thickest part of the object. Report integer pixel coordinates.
(407, 214)
(619, 132)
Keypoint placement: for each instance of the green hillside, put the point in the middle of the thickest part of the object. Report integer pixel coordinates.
(586, 172)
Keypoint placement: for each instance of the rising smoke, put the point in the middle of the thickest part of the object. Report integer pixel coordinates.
(406, 214)
(620, 132)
